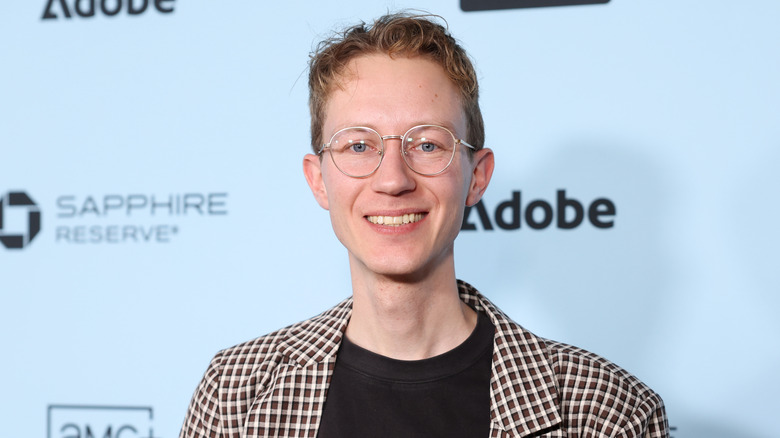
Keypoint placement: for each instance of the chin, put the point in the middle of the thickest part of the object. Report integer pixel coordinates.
(395, 270)
(400, 268)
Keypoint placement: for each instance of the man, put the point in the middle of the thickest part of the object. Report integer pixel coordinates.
(398, 141)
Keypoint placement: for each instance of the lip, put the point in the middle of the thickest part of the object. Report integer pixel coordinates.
(396, 212)
(399, 228)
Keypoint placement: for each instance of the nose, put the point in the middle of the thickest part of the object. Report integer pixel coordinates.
(393, 177)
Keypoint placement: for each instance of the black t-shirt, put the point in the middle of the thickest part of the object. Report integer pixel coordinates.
(444, 396)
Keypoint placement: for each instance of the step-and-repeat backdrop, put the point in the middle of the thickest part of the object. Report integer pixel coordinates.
(153, 208)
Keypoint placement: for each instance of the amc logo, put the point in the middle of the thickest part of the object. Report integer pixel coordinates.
(486, 5)
(77, 421)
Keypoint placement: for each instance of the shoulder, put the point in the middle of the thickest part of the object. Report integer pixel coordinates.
(577, 371)
(591, 392)
(595, 393)
(580, 372)
(308, 340)
(238, 374)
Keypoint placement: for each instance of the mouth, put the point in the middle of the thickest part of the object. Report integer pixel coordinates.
(396, 221)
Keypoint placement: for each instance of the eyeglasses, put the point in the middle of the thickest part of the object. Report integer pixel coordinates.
(426, 149)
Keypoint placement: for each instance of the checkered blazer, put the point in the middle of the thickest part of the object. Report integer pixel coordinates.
(276, 385)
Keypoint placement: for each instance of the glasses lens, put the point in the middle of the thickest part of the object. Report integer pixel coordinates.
(429, 149)
(356, 151)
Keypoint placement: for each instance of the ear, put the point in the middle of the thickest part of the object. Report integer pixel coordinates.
(480, 176)
(312, 170)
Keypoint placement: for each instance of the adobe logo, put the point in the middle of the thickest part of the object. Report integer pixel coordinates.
(108, 8)
(566, 213)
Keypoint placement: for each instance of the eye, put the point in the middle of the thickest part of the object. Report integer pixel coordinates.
(424, 146)
(358, 147)
(427, 147)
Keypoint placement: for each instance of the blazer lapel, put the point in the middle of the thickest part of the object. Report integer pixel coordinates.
(292, 407)
(524, 397)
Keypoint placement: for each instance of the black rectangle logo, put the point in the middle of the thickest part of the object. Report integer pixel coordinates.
(487, 5)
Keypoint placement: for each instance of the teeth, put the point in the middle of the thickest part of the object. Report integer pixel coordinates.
(395, 220)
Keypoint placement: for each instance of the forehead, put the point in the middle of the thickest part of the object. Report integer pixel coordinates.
(387, 93)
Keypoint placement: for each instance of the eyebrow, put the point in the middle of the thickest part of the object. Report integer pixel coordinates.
(447, 125)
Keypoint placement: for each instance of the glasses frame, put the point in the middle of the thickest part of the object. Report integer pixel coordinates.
(326, 147)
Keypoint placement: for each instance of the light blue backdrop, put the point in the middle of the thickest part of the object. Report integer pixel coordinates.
(669, 109)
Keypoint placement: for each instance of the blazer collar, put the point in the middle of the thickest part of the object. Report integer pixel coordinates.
(317, 340)
(524, 396)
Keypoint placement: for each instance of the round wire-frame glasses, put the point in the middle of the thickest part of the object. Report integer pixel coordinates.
(357, 151)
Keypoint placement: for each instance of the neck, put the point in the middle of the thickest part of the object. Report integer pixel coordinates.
(408, 319)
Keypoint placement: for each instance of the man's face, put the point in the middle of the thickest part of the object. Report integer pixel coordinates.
(391, 96)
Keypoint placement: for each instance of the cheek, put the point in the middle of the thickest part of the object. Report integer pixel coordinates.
(463, 182)
(465, 179)
(341, 193)
(453, 196)
(330, 182)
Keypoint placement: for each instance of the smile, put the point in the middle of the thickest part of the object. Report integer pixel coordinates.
(395, 221)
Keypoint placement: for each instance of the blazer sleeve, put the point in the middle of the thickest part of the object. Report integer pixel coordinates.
(648, 420)
(658, 426)
(203, 418)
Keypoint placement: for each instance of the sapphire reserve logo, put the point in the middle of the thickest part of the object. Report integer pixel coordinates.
(112, 218)
(20, 220)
